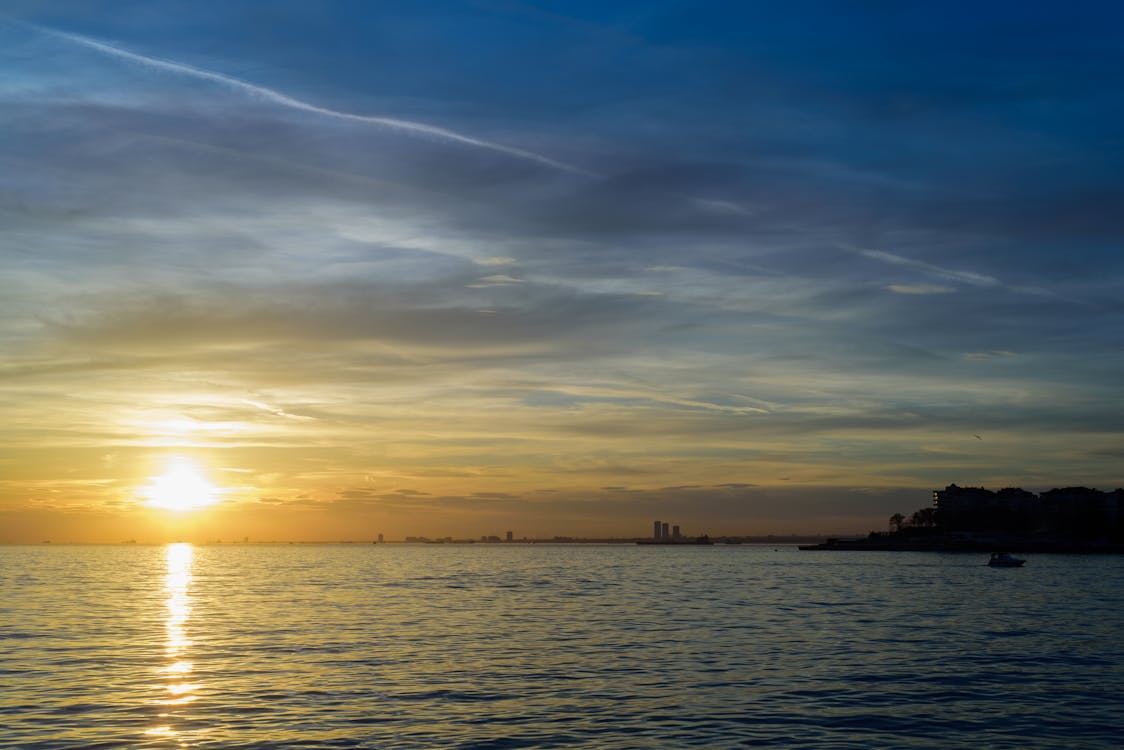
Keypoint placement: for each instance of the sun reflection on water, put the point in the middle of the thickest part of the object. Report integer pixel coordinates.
(176, 583)
(178, 689)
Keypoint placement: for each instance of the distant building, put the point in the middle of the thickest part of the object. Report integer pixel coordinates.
(510, 536)
(665, 530)
(656, 530)
(380, 538)
(675, 532)
(1078, 512)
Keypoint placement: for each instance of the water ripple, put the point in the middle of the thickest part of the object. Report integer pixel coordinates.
(402, 647)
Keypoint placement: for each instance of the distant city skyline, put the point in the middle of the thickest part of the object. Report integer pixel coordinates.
(313, 271)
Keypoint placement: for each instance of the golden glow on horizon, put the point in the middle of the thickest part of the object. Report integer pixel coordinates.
(181, 487)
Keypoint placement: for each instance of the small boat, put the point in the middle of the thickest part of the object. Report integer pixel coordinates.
(1004, 560)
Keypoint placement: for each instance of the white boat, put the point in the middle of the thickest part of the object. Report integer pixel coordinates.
(1004, 560)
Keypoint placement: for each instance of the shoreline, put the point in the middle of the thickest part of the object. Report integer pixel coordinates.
(991, 543)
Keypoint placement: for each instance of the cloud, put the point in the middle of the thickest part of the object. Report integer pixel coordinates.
(273, 409)
(276, 97)
(628, 511)
(494, 280)
(965, 277)
(287, 286)
(920, 289)
(431, 313)
(998, 354)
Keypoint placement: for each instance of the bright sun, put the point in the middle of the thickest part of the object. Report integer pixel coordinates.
(181, 487)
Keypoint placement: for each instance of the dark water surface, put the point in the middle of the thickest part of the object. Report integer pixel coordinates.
(506, 646)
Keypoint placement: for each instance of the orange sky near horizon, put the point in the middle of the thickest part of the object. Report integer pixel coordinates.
(746, 271)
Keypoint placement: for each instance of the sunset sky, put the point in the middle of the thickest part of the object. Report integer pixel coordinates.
(454, 268)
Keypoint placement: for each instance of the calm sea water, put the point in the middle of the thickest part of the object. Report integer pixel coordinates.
(507, 646)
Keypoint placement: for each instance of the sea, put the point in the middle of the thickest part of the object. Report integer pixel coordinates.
(555, 646)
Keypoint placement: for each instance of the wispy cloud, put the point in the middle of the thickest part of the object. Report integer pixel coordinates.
(920, 289)
(501, 278)
(964, 277)
(324, 300)
(970, 278)
(998, 354)
(272, 409)
(276, 97)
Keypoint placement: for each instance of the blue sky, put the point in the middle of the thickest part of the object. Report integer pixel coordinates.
(558, 266)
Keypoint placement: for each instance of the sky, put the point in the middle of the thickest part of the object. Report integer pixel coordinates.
(561, 268)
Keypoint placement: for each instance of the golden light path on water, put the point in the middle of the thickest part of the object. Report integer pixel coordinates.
(413, 647)
(178, 688)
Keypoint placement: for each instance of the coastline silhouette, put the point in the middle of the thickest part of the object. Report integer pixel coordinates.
(1069, 519)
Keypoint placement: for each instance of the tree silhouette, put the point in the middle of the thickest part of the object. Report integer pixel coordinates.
(924, 518)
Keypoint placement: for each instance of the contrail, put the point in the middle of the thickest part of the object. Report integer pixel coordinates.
(276, 97)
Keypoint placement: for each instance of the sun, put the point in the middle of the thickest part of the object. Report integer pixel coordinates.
(181, 487)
